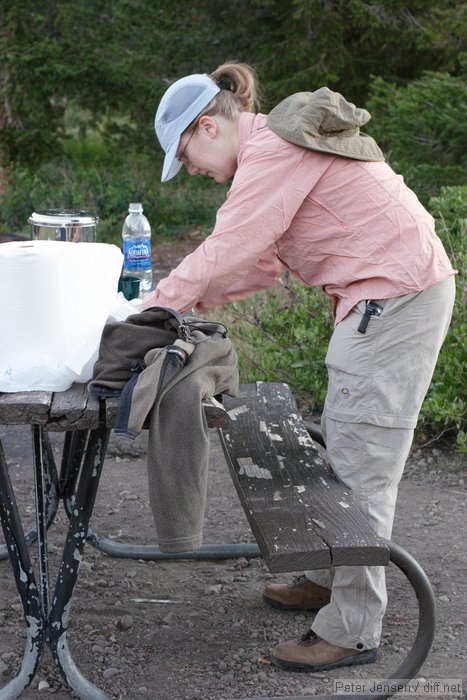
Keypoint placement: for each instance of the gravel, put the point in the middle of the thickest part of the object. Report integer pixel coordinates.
(194, 630)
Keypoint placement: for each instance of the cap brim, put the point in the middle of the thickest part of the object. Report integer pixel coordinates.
(171, 163)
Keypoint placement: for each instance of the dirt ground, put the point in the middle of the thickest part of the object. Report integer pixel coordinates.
(187, 630)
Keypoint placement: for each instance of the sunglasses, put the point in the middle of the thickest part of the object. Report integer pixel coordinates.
(182, 156)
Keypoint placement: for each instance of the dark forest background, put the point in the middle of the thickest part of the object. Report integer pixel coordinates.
(79, 86)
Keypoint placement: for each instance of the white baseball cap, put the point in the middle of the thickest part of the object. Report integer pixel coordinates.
(179, 107)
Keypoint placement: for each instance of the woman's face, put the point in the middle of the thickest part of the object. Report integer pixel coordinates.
(210, 148)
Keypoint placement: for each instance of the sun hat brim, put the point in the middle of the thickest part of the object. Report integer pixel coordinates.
(182, 102)
(172, 165)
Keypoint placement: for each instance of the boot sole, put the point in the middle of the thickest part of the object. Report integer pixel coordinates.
(363, 657)
(283, 606)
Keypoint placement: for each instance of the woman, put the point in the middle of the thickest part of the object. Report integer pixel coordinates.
(311, 194)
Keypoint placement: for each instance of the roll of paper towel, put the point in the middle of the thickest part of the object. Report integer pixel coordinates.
(54, 301)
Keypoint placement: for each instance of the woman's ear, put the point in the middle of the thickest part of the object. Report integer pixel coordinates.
(208, 125)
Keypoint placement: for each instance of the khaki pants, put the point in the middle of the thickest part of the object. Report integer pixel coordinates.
(377, 383)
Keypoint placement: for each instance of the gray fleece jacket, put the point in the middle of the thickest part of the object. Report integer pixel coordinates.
(164, 366)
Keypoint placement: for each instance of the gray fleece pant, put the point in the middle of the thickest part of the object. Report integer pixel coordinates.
(377, 383)
(178, 442)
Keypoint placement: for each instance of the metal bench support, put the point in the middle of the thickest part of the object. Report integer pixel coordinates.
(424, 637)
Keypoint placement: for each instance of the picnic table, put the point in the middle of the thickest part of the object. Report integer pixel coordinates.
(293, 503)
(86, 421)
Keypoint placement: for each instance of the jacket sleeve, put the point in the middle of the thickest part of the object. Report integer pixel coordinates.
(272, 180)
(265, 273)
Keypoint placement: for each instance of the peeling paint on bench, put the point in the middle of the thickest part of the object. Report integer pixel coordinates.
(301, 515)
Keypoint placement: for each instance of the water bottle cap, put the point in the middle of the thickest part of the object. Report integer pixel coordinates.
(135, 207)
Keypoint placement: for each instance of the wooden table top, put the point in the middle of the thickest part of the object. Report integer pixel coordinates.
(73, 409)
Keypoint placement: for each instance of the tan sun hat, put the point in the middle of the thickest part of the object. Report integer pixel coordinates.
(324, 121)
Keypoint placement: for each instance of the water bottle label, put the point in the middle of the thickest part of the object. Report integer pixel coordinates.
(137, 255)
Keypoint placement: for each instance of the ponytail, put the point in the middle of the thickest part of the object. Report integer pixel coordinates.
(239, 92)
(240, 79)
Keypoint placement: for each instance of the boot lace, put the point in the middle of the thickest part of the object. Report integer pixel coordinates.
(298, 581)
(309, 638)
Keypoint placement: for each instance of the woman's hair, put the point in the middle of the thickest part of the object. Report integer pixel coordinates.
(239, 91)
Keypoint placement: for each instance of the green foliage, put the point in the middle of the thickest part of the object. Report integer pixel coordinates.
(342, 43)
(92, 178)
(59, 55)
(109, 63)
(30, 123)
(80, 83)
(421, 128)
(282, 335)
(444, 407)
(183, 206)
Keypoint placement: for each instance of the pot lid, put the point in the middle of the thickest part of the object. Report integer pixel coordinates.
(62, 217)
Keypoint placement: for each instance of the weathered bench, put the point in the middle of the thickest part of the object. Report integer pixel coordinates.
(301, 515)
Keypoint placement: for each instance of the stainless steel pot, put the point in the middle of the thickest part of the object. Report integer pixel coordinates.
(64, 225)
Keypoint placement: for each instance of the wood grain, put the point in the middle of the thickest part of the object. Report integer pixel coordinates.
(301, 515)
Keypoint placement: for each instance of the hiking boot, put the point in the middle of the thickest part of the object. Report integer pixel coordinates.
(301, 594)
(311, 653)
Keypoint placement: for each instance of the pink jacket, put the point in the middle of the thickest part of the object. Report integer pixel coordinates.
(352, 227)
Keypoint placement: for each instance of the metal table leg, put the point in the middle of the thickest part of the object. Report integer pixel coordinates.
(73, 450)
(51, 493)
(44, 625)
(17, 548)
(68, 572)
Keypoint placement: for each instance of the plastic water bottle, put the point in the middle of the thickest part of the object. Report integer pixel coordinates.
(136, 234)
